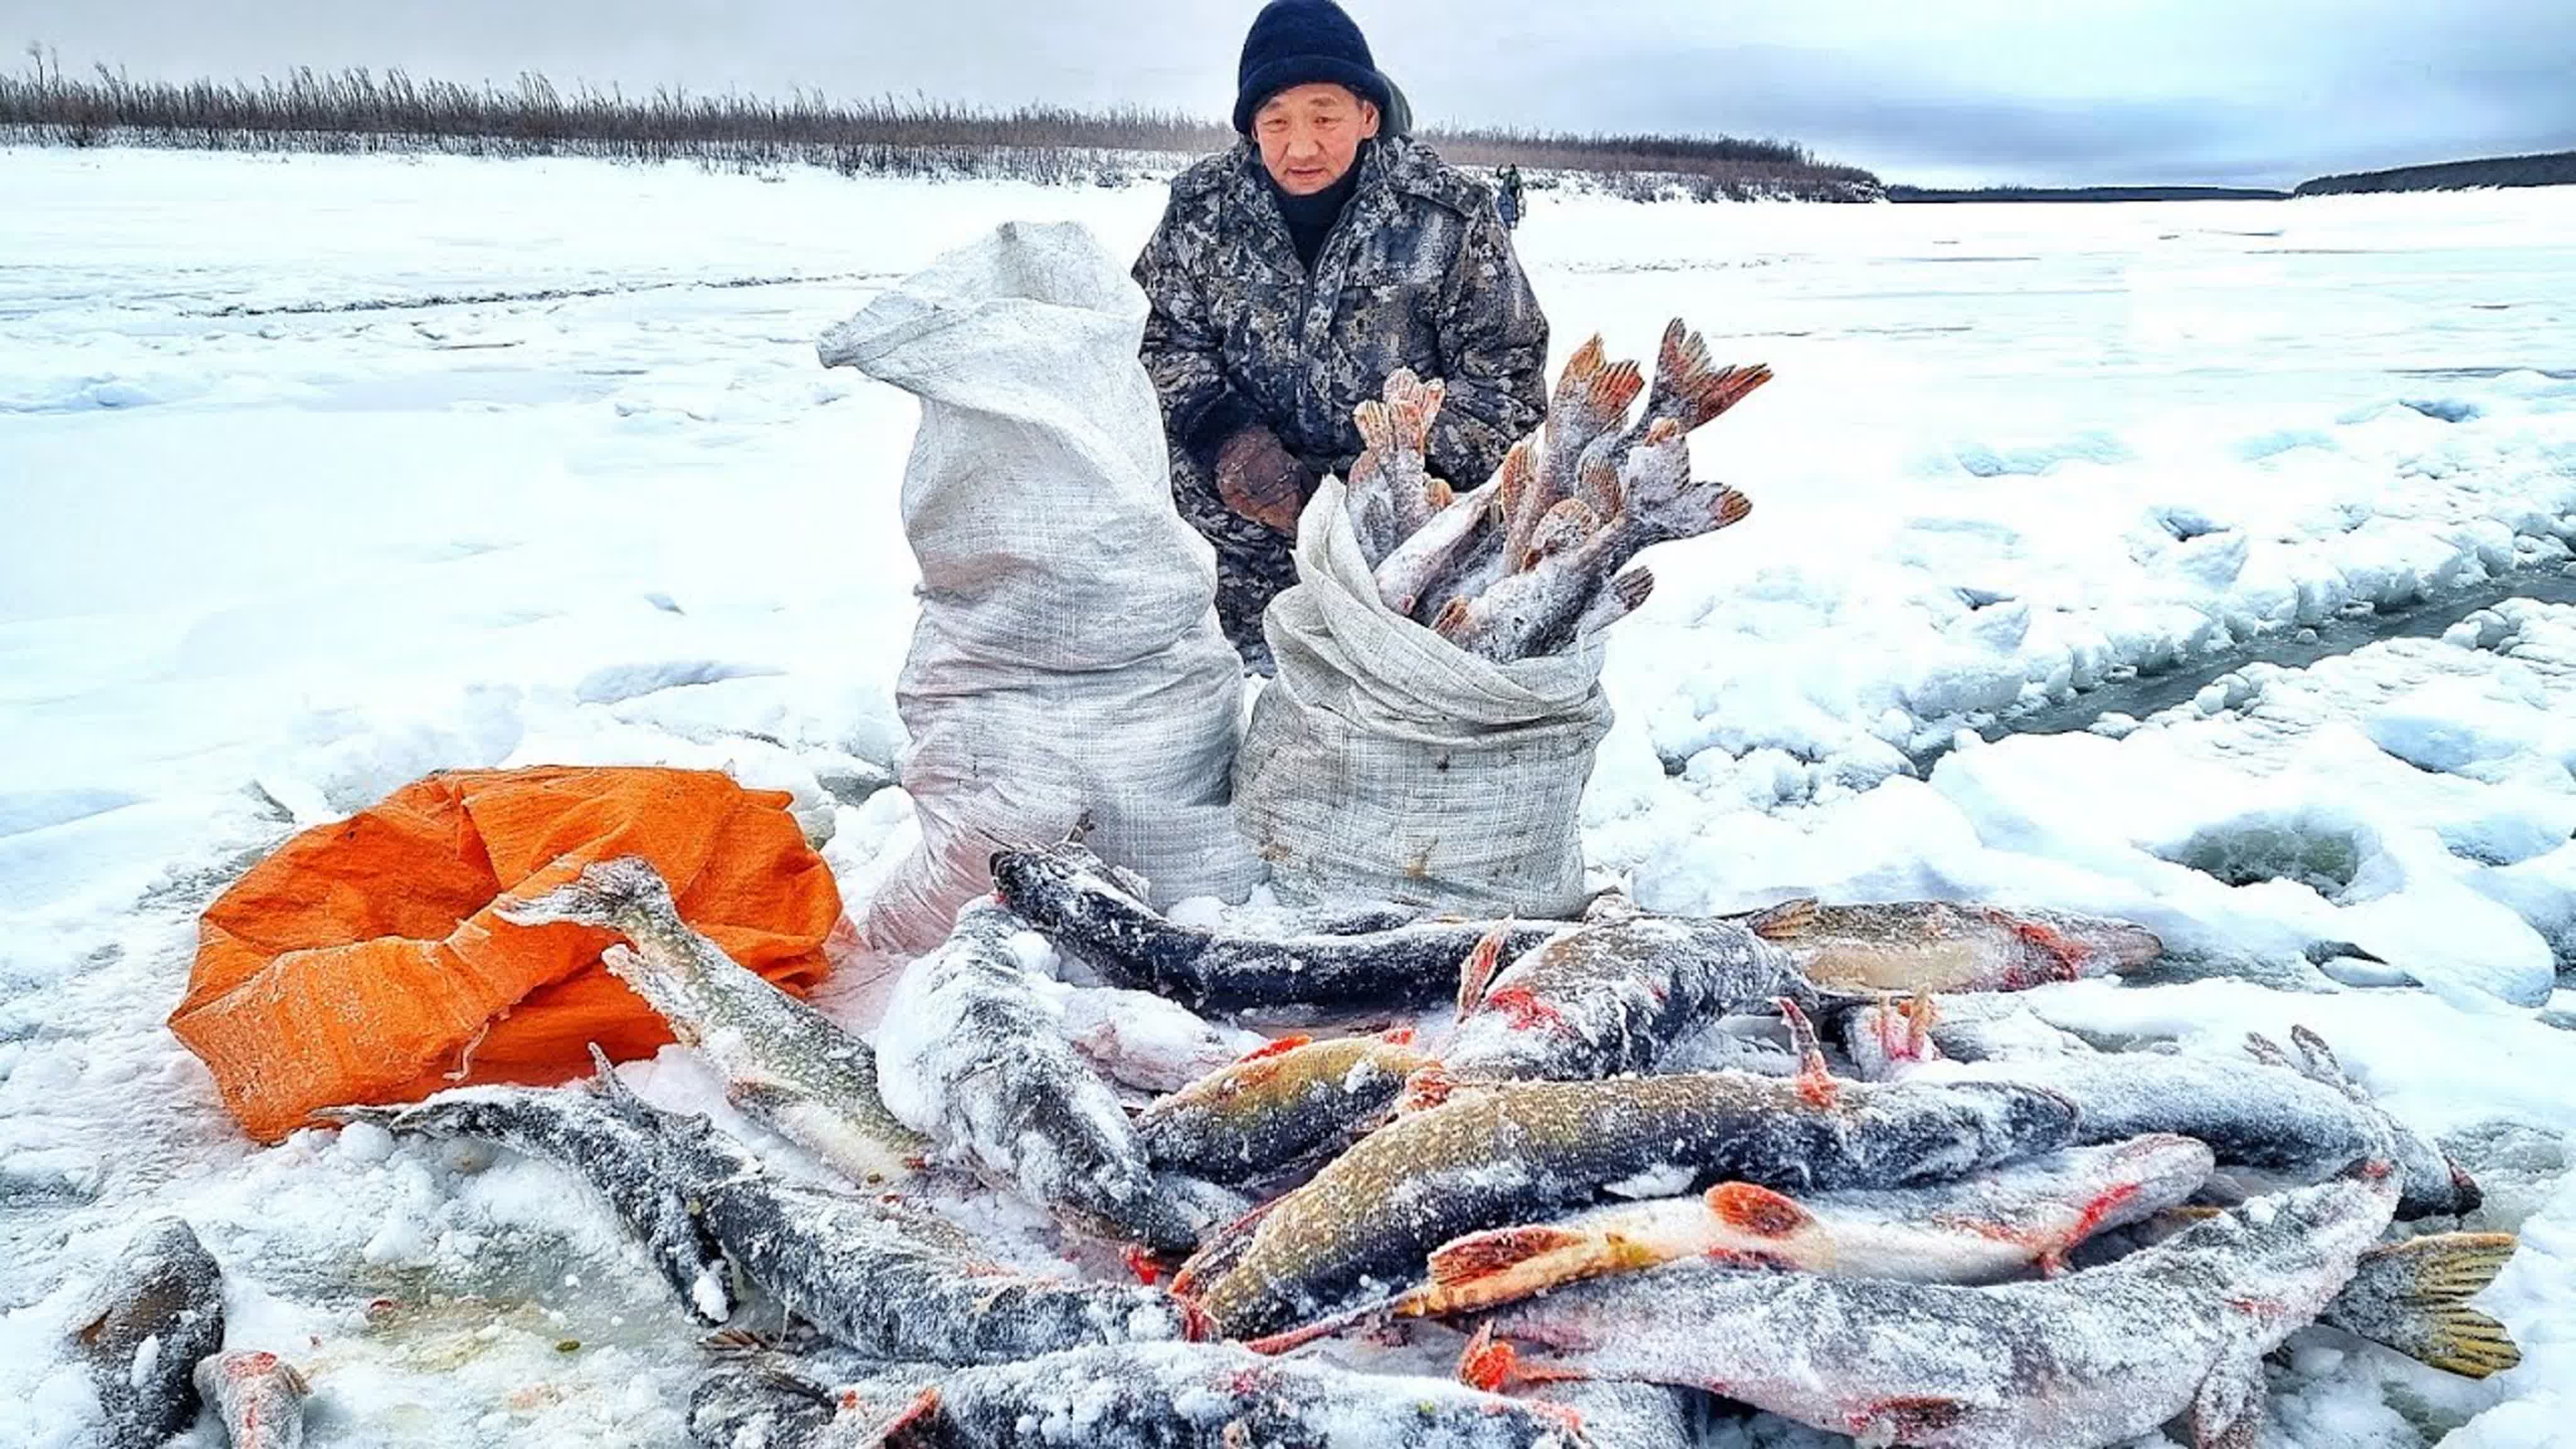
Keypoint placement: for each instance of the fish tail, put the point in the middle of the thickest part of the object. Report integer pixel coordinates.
(1728, 509)
(1582, 369)
(2421, 1290)
(1725, 389)
(1515, 479)
(1624, 595)
(1786, 921)
(1376, 423)
(1598, 484)
(1611, 393)
(617, 894)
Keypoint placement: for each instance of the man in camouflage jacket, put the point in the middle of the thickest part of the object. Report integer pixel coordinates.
(1292, 274)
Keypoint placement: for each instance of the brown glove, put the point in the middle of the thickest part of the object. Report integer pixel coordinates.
(1259, 478)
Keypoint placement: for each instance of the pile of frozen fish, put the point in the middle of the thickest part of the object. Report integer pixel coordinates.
(1818, 1160)
(1530, 562)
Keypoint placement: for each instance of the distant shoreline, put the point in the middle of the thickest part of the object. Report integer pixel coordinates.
(1929, 194)
(360, 112)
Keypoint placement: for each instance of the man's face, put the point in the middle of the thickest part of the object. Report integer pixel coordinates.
(1309, 135)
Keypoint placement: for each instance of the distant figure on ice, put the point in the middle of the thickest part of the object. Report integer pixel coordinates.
(1293, 272)
(1508, 198)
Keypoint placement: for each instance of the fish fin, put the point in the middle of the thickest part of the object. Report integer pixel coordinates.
(1786, 921)
(1905, 1420)
(1757, 1210)
(1487, 1362)
(613, 1088)
(1815, 1081)
(1582, 367)
(1377, 427)
(1294, 1338)
(1725, 388)
(1398, 1036)
(1453, 621)
(1426, 1088)
(2427, 1283)
(1598, 478)
(1561, 528)
(1728, 509)
(1479, 1256)
(2267, 1051)
(1440, 494)
(607, 893)
(2227, 1412)
(1274, 1047)
(1660, 432)
(1613, 392)
(1477, 971)
(2319, 1060)
(1682, 367)
(1519, 474)
(907, 1424)
(1413, 403)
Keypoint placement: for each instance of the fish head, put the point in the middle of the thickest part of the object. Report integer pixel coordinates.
(2291, 1251)
(1060, 873)
(2148, 1174)
(2012, 1120)
(619, 893)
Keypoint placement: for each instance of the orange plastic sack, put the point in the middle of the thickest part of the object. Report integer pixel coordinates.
(362, 962)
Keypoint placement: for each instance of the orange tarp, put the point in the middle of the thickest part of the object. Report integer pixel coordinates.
(362, 961)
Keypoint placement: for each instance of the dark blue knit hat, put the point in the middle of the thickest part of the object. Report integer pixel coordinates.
(1297, 42)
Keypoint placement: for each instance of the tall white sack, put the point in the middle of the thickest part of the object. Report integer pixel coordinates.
(1068, 661)
(1385, 763)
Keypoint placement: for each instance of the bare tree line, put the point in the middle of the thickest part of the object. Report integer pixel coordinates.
(2549, 168)
(360, 111)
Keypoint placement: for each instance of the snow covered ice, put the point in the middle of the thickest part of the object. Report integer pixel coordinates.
(322, 473)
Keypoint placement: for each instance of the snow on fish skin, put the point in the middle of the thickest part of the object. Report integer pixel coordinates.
(1187, 1396)
(258, 1396)
(158, 1309)
(1513, 1152)
(1416, 564)
(785, 1063)
(2087, 1359)
(1392, 493)
(1279, 1105)
(1143, 1041)
(972, 1057)
(1070, 897)
(1883, 1039)
(630, 1166)
(2253, 1113)
(1629, 506)
(1609, 997)
(1915, 946)
(1982, 1229)
(872, 1282)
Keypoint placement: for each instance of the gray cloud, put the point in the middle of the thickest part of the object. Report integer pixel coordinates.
(2036, 91)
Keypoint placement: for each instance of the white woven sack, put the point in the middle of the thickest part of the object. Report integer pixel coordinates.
(1385, 763)
(1067, 662)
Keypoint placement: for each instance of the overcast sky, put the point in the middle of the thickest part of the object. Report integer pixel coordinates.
(1953, 91)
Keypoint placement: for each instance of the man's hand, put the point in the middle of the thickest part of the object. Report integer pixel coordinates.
(1259, 478)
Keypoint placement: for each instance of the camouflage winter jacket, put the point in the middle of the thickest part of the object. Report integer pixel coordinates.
(1418, 273)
